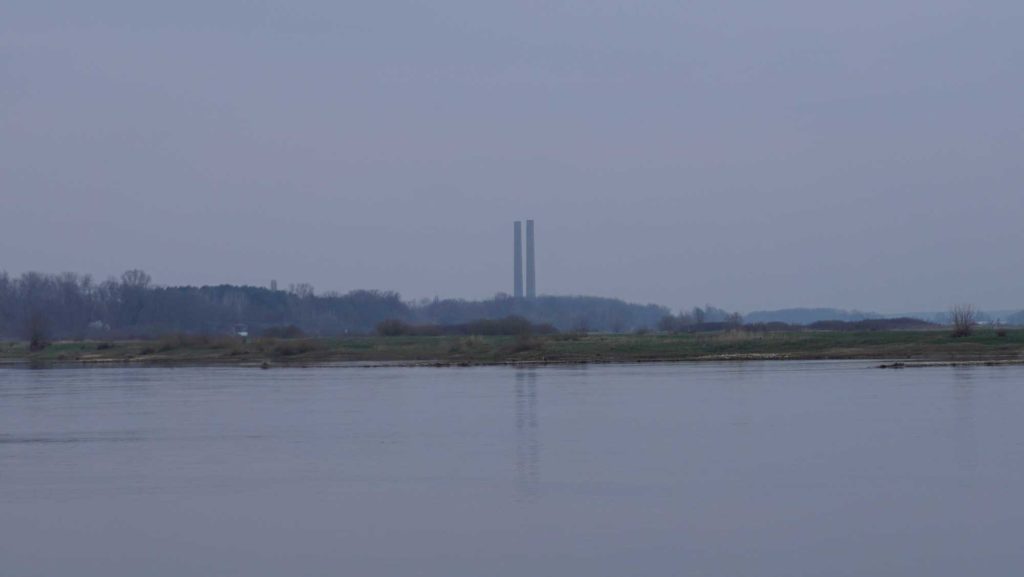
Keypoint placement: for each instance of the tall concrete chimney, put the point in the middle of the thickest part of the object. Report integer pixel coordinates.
(531, 272)
(518, 261)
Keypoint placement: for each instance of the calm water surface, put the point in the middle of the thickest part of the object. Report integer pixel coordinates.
(691, 469)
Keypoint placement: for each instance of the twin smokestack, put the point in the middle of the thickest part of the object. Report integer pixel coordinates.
(531, 273)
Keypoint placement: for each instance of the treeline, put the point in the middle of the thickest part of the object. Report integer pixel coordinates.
(74, 306)
(696, 322)
(699, 319)
(71, 306)
(511, 325)
(894, 324)
(806, 316)
(565, 313)
(40, 307)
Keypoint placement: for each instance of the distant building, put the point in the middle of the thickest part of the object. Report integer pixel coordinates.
(517, 261)
(531, 271)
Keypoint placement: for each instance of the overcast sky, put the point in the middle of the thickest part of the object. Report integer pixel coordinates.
(747, 154)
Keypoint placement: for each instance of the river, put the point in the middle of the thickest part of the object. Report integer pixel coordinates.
(731, 469)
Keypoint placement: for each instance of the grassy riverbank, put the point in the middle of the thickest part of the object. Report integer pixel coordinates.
(930, 346)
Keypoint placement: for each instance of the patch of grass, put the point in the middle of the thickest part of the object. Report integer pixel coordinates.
(188, 341)
(296, 347)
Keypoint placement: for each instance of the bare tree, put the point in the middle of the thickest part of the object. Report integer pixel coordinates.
(617, 325)
(303, 290)
(698, 315)
(581, 326)
(668, 324)
(36, 331)
(135, 278)
(963, 318)
(134, 289)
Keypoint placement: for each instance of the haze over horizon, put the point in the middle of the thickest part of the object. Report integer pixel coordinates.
(744, 154)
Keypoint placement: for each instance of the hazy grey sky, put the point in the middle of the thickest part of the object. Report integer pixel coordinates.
(749, 154)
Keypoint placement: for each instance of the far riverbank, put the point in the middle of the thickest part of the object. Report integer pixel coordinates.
(911, 348)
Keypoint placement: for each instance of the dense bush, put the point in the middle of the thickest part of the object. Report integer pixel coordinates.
(771, 327)
(698, 319)
(399, 328)
(897, 324)
(283, 332)
(296, 347)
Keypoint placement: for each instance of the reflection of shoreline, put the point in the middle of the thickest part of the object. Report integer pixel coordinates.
(527, 434)
(965, 447)
(961, 363)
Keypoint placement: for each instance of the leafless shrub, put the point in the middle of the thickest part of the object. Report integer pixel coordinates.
(581, 326)
(37, 331)
(524, 343)
(963, 318)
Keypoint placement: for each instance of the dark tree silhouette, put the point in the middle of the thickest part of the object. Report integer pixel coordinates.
(963, 318)
(75, 306)
(36, 331)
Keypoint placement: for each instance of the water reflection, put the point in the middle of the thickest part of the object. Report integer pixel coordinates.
(965, 445)
(527, 435)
